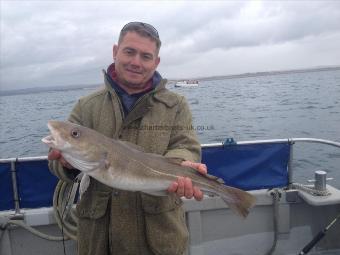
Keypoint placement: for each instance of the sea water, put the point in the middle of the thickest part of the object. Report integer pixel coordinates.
(252, 108)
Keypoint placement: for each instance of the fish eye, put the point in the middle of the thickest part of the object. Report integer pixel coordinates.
(75, 133)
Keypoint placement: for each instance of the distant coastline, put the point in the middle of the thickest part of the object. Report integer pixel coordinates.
(210, 78)
(268, 73)
(47, 89)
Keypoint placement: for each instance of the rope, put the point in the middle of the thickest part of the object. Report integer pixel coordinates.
(276, 195)
(310, 189)
(22, 224)
(67, 220)
(64, 214)
(2, 230)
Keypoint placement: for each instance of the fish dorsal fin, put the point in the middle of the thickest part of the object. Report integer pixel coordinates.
(214, 178)
(176, 161)
(132, 145)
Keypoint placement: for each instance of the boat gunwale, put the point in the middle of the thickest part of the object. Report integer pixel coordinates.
(209, 145)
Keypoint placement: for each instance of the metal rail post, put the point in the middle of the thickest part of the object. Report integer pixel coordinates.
(15, 187)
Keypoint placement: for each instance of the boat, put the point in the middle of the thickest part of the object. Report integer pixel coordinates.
(37, 210)
(187, 83)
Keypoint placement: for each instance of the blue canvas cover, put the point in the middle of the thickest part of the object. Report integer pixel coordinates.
(249, 166)
(6, 189)
(36, 184)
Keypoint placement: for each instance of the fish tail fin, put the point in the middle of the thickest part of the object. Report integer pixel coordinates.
(238, 200)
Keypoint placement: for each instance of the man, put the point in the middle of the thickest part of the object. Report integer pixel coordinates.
(135, 106)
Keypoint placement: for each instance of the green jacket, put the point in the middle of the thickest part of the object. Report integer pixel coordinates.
(160, 122)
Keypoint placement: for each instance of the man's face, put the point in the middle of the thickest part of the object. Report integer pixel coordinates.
(136, 60)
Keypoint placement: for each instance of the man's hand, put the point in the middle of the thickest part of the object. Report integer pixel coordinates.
(56, 155)
(184, 188)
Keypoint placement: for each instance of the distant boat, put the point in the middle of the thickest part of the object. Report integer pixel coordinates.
(187, 83)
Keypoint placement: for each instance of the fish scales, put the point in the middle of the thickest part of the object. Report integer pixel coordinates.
(125, 166)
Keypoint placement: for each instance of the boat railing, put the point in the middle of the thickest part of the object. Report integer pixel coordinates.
(16, 190)
(290, 141)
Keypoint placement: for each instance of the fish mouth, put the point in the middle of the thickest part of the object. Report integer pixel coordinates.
(51, 139)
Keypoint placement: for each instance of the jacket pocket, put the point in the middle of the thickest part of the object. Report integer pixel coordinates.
(165, 227)
(93, 204)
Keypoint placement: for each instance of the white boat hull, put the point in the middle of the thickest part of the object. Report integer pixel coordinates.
(186, 84)
(285, 225)
(214, 228)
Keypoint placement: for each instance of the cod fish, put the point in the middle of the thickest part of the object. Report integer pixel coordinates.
(125, 166)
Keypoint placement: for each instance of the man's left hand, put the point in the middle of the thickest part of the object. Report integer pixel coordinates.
(183, 186)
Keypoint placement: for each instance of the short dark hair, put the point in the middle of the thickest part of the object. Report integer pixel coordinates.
(143, 29)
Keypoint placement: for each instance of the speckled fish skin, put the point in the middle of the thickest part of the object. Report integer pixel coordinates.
(125, 166)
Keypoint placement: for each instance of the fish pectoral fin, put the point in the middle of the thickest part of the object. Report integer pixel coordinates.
(104, 162)
(107, 164)
(84, 184)
(79, 177)
(158, 193)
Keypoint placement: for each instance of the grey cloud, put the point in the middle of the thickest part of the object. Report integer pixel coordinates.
(47, 36)
(64, 42)
(187, 18)
(280, 22)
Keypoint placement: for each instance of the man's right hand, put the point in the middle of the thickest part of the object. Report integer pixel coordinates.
(56, 155)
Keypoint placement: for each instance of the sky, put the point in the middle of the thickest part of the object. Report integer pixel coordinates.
(58, 43)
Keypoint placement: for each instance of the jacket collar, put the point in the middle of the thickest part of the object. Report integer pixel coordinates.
(159, 92)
